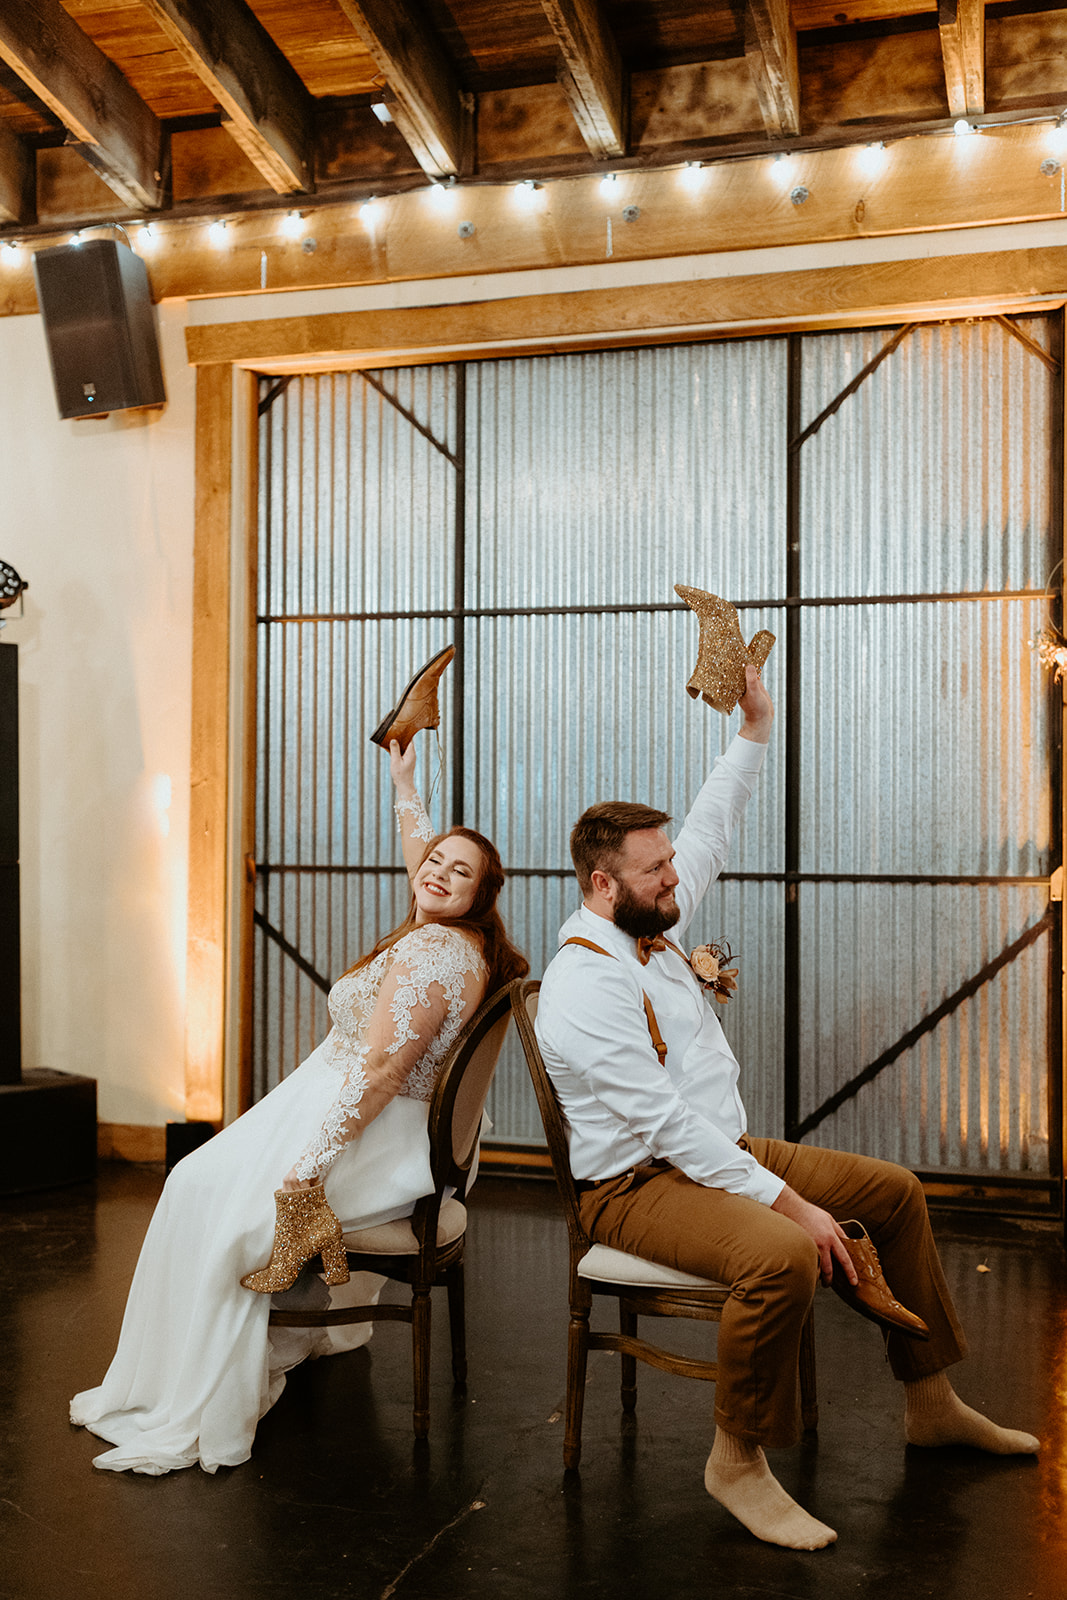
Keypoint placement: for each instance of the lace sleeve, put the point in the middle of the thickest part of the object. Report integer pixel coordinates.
(434, 982)
(420, 824)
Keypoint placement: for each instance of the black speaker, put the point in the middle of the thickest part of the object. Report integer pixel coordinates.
(10, 1006)
(100, 326)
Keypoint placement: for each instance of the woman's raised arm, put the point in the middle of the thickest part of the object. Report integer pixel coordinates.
(416, 829)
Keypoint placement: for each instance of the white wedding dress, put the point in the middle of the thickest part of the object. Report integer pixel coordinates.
(197, 1365)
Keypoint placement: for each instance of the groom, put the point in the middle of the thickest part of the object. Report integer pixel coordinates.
(666, 1169)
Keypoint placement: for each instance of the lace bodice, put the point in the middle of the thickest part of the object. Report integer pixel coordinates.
(394, 1022)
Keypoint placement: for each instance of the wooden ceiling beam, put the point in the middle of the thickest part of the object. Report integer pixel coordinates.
(591, 74)
(961, 24)
(435, 117)
(266, 107)
(18, 180)
(771, 52)
(931, 183)
(114, 130)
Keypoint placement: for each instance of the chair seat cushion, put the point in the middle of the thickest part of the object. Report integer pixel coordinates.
(397, 1239)
(606, 1265)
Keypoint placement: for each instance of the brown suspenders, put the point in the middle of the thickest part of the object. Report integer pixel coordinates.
(659, 1044)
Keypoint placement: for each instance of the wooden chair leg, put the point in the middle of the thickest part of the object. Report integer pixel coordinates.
(420, 1347)
(457, 1325)
(628, 1328)
(577, 1357)
(809, 1400)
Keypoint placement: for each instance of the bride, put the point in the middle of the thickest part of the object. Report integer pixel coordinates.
(196, 1364)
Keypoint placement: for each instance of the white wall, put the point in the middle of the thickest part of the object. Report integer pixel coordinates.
(98, 517)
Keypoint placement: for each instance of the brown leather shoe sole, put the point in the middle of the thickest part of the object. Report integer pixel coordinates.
(417, 707)
(872, 1296)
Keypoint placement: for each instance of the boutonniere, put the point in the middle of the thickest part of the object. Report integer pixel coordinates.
(709, 964)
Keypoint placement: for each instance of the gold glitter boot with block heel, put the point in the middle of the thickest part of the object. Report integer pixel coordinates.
(304, 1226)
(719, 675)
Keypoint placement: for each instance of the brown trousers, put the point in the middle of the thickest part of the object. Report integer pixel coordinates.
(772, 1267)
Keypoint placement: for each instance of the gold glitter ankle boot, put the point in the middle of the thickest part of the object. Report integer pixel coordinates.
(304, 1226)
(719, 675)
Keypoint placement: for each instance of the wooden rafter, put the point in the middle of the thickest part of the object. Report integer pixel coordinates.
(962, 27)
(111, 125)
(591, 74)
(18, 175)
(771, 51)
(427, 105)
(265, 105)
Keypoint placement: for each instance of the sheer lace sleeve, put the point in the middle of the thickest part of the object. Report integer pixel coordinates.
(416, 829)
(420, 824)
(434, 982)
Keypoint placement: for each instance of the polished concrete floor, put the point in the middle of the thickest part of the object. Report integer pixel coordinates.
(338, 1500)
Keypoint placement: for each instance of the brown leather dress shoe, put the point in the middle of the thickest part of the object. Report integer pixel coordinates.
(872, 1296)
(417, 707)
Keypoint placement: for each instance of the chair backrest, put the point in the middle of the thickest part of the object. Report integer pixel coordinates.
(524, 1005)
(462, 1086)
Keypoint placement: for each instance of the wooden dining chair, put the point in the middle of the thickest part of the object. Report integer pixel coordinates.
(426, 1249)
(642, 1288)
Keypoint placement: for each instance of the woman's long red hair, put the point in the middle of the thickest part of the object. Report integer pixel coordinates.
(483, 920)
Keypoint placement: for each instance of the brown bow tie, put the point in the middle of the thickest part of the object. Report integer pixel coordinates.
(647, 947)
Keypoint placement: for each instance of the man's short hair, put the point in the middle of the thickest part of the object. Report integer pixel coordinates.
(598, 837)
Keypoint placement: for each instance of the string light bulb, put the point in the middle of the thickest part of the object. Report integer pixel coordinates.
(1057, 136)
(382, 112)
(609, 182)
(443, 191)
(693, 174)
(782, 167)
(147, 237)
(872, 158)
(217, 232)
(293, 224)
(11, 251)
(528, 191)
(369, 209)
(961, 127)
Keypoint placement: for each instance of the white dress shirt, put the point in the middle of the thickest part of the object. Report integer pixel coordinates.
(622, 1108)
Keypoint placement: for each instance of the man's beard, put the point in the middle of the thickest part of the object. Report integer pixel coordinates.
(638, 919)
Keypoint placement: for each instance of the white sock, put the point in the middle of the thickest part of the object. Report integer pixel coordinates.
(738, 1477)
(935, 1415)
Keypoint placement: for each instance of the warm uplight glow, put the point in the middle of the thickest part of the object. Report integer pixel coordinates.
(872, 158)
(162, 796)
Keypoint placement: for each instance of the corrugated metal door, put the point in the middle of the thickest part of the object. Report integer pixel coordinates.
(538, 512)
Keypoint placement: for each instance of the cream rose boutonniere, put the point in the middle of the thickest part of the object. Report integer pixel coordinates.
(709, 964)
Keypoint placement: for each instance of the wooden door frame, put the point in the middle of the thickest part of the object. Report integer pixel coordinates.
(228, 358)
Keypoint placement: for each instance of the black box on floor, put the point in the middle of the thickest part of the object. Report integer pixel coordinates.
(47, 1131)
(185, 1137)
